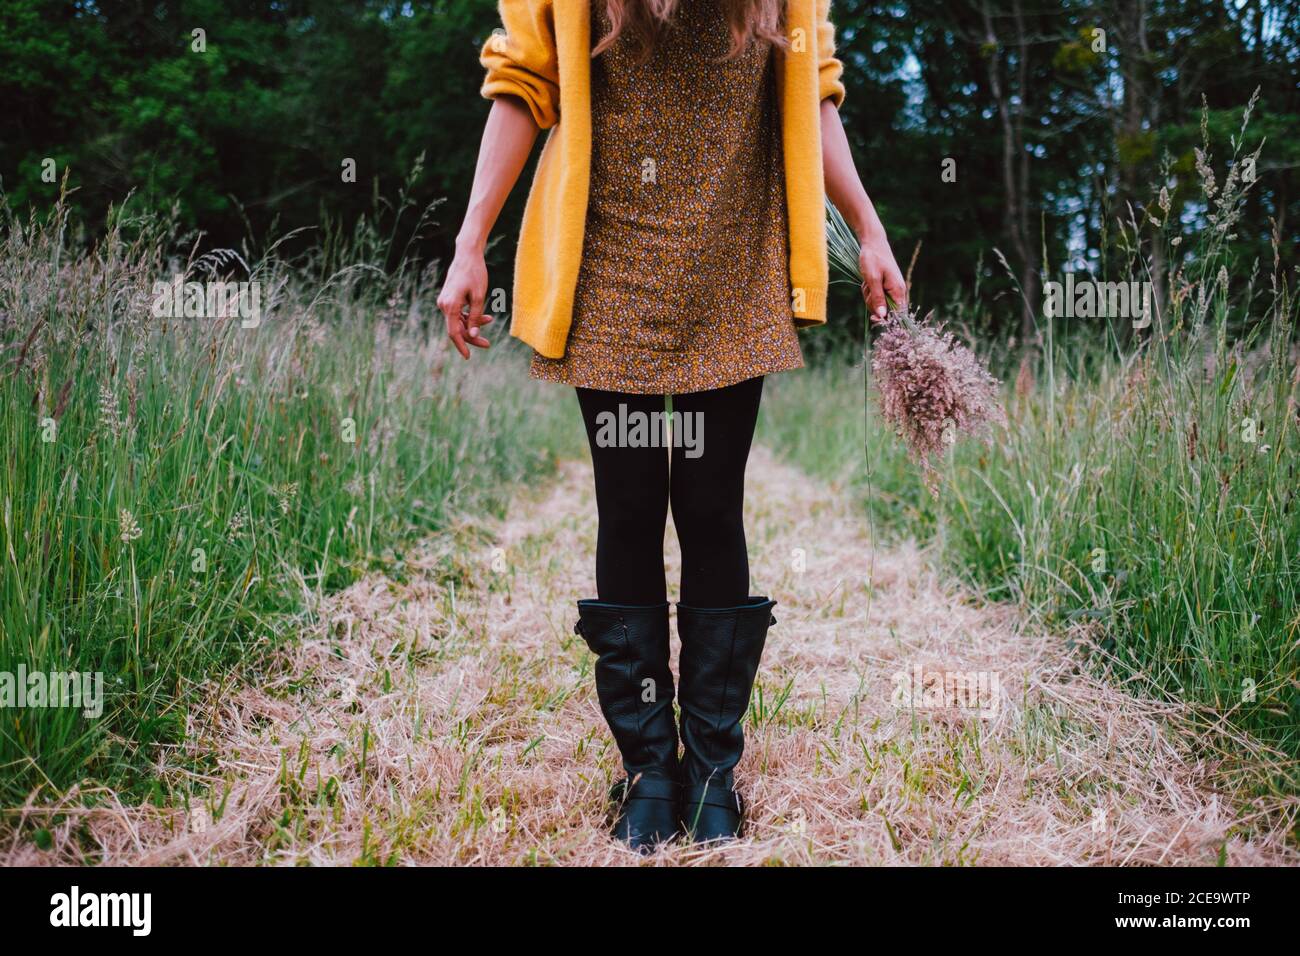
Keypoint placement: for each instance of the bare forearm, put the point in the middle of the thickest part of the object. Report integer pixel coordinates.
(508, 138)
(882, 282)
(843, 185)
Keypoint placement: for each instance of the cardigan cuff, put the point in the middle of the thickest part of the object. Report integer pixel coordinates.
(809, 304)
(549, 343)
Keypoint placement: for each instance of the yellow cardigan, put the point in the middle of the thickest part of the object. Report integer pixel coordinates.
(544, 58)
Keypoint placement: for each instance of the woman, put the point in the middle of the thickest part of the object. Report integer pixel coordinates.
(673, 242)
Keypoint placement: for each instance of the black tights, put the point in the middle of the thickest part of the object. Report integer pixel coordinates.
(635, 487)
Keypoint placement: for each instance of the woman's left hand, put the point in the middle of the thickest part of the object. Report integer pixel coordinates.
(882, 281)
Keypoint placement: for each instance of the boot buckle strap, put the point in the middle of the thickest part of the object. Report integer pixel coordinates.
(647, 788)
(712, 795)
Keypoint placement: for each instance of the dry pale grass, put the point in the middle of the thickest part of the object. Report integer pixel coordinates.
(451, 718)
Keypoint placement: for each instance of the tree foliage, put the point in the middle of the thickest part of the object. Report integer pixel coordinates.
(1057, 118)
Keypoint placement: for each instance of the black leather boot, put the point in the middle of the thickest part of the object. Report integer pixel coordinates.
(720, 652)
(635, 689)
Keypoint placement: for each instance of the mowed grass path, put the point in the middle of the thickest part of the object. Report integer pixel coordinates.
(450, 717)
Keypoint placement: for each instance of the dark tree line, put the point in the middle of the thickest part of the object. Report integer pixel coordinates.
(1056, 118)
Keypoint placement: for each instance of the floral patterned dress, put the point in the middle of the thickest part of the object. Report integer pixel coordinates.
(684, 280)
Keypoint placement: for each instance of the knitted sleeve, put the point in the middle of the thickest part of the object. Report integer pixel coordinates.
(521, 59)
(829, 69)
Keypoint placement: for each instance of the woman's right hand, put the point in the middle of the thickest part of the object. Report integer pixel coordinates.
(461, 299)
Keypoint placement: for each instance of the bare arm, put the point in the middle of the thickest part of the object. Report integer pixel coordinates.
(508, 139)
(881, 275)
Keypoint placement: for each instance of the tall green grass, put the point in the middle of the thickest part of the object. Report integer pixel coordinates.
(1143, 495)
(171, 490)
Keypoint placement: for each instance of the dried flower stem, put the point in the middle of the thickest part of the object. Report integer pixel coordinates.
(932, 388)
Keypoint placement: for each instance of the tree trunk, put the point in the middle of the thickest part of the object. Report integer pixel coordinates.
(1015, 165)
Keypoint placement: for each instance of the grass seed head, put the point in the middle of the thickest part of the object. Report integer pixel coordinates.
(932, 390)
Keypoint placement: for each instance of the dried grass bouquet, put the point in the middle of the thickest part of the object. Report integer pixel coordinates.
(933, 390)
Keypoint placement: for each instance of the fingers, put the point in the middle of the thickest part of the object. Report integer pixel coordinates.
(475, 317)
(896, 288)
(460, 333)
(451, 307)
(873, 290)
(474, 321)
(457, 336)
(461, 301)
